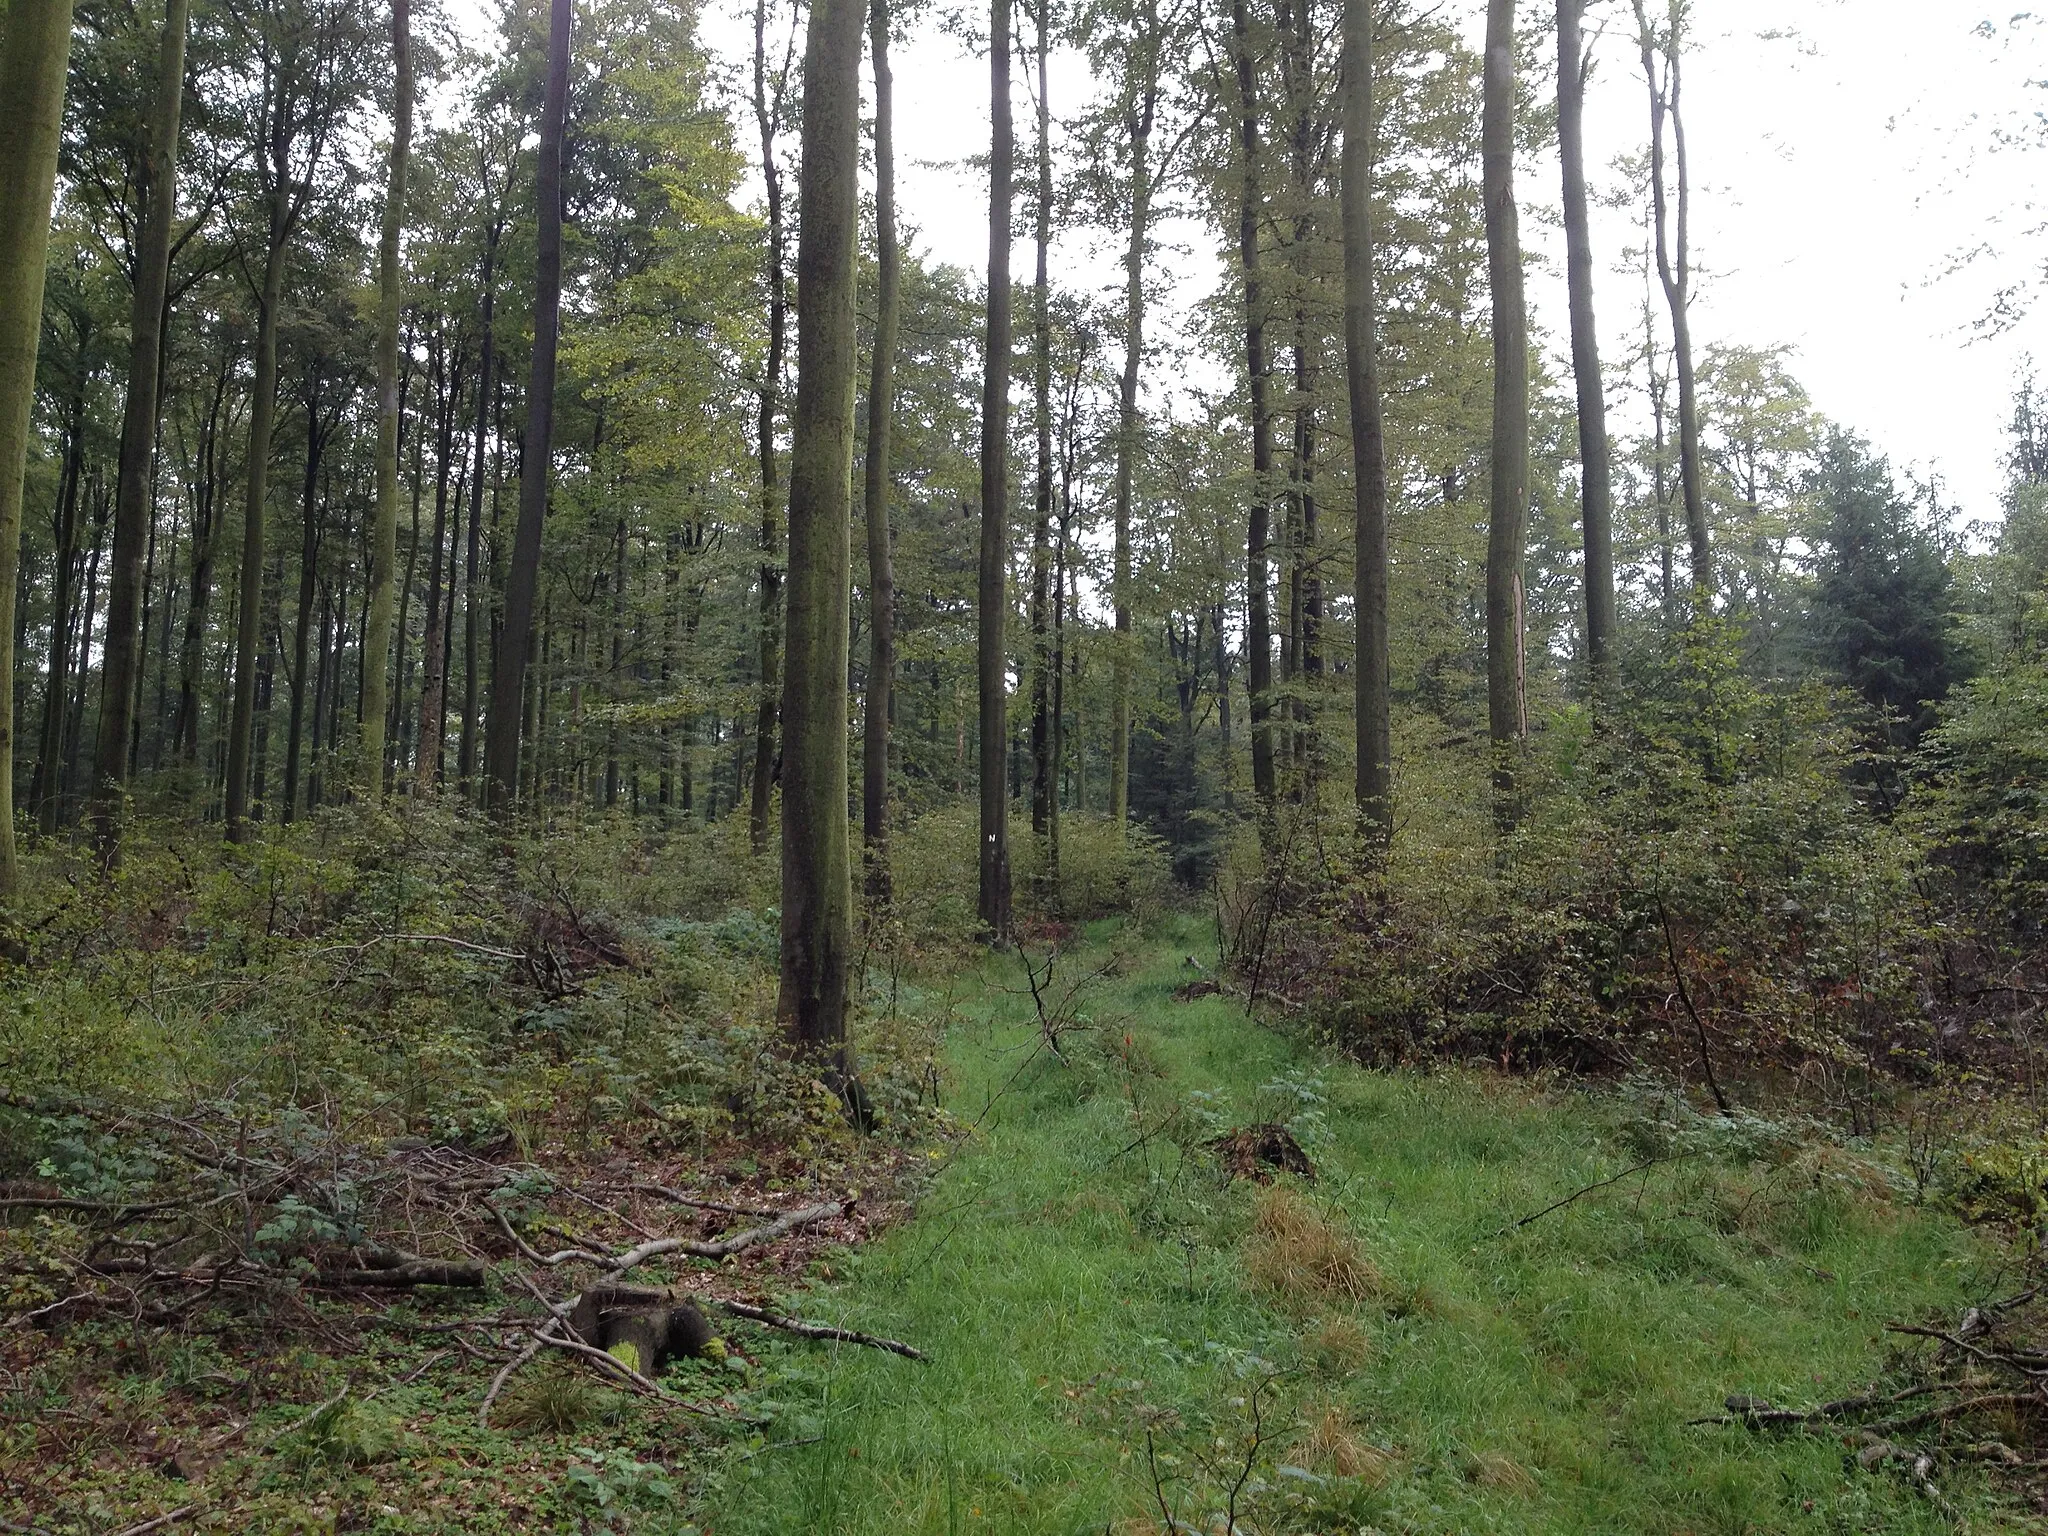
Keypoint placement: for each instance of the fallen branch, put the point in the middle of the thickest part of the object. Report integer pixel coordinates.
(182, 1512)
(697, 1202)
(405, 1271)
(802, 1329)
(1580, 1194)
(618, 1263)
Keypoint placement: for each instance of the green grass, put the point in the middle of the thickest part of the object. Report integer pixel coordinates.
(1077, 1273)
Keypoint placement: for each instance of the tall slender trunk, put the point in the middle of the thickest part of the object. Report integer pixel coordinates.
(1508, 506)
(35, 51)
(1596, 492)
(42, 797)
(817, 888)
(262, 415)
(74, 730)
(309, 575)
(1674, 271)
(205, 522)
(876, 478)
(616, 669)
(135, 480)
(1258, 596)
(384, 532)
(993, 595)
(769, 619)
(508, 679)
(475, 601)
(1142, 90)
(1042, 786)
(434, 673)
(1373, 678)
(1304, 582)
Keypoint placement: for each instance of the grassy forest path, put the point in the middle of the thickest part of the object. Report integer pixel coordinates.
(1371, 1353)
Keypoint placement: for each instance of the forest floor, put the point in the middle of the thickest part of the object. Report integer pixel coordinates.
(1496, 1305)
(1120, 1339)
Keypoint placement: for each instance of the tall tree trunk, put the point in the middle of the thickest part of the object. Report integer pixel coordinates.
(1674, 271)
(1042, 786)
(262, 415)
(1305, 598)
(1258, 596)
(384, 532)
(309, 574)
(35, 52)
(434, 674)
(136, 480)
(876, 478)
(616, 669)
(1596, 492)
(74, 730)
(817, 888)
(769, 620)
(508, 679)
(1142, 89)
(993, 600)
(476, 601)
(1373, 676)
(42, 796)
(1508, 507)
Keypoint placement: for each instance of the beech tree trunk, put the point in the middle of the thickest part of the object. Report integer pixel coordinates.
(1508, 507)
(1142, 91)
(1674, 271)
(1258, 594)
(1373, 678)
(994, 903)
(384, 533)
(769, 619)
(1596, 490)
(135, 482)
(817, 891)
(43, 800)
(1042, 786)
(35, 52)
(508, 680)
(433, 719)
(881, 679)
(262, 415)
(475, 599)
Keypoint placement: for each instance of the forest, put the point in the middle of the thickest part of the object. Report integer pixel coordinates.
(667, 865)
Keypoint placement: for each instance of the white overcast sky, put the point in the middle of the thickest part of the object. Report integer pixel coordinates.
(1843, 154)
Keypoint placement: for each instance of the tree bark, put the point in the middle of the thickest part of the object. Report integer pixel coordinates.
(43, 800)
(1508, 507)
(1373, 677)
(262, 414)
(817, 891)
(1674, 271)
(433, 721)
(993, 594)
(881, 680)
(475, 600)
(1042, 785)
(309, 572)
(35, 52)
(384, 533)
(1258, 594)
(135, 480)
(1596, 490)
(508, 680)
(769, 619)
(1142, 91)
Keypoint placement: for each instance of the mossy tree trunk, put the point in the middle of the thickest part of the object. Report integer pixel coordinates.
(35, 50)
(1508, 508)
(1258, 593)
(1373, 676)
(1596, 473)
(817, 891)
(881, 412)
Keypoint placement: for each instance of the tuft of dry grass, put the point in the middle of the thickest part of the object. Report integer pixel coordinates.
(1332, 1443)
(1503, 1474)
(1339, 1345)
(1300, 1255)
